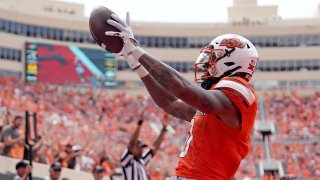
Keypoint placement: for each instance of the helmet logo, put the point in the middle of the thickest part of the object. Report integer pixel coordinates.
(232, 43)
(252, 65)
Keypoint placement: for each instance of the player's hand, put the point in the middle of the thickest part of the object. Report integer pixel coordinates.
(125, 29)
(131, 50)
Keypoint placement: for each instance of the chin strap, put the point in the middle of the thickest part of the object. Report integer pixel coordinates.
(207, 83)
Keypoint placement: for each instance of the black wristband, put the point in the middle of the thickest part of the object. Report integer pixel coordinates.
(164, 129)
(140, 122)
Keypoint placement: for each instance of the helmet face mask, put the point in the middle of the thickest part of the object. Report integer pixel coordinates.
(205, 65)
(224, 56)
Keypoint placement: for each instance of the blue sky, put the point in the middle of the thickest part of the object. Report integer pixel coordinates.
(195, 11)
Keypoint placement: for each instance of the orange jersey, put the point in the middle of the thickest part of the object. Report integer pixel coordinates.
(213, 149)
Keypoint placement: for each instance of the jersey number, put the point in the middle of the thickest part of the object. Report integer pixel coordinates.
(185, 151)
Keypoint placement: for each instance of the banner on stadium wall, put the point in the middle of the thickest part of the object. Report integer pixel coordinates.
(69, 64)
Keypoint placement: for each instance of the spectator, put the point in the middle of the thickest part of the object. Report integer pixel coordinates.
(84, 162)
(98, 172)
(271, 175)
(55, 172)
(39, 150)
(69, 155)
(23, 170)
(104, 162)
(133, 162)
(11, 135)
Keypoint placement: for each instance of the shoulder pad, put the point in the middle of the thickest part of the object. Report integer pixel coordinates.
(237, 88)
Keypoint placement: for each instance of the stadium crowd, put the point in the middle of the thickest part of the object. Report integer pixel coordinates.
(297, 141)
(83, 128)
(297, 117)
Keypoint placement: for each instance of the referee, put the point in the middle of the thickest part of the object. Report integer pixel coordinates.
(133, 160)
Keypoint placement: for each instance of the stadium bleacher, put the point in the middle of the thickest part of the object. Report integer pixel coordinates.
(68, 122)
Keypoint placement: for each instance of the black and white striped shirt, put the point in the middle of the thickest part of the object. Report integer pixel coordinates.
(133, 169)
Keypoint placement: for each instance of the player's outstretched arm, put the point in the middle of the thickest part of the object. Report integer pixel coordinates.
(132, 52)
(210, 102)
(214, 102)
(167, 101)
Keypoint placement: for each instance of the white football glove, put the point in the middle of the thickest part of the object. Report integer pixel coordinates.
(131, 50)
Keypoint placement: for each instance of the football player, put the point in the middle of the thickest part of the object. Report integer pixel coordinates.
(220, 103)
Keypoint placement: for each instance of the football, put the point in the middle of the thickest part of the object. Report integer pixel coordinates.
(98, 26)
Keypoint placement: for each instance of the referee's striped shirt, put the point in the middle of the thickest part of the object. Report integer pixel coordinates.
(133, 169)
